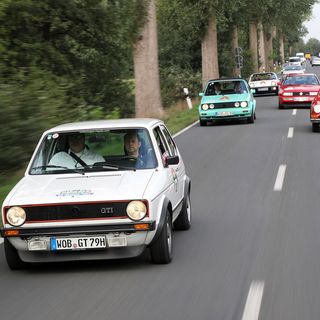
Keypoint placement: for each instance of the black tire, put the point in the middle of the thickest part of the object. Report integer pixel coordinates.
(203, 123)
(13, 260)
(161, 250)
(315, 127)
(251, 119)
(280, 106)
(183, 222)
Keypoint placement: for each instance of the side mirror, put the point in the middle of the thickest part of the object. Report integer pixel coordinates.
(201, 94)
(253, 90)
(171, 160)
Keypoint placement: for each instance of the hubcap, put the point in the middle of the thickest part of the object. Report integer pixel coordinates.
(169, 237)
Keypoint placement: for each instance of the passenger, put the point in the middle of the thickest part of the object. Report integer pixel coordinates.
(217, 88)
(239, 87)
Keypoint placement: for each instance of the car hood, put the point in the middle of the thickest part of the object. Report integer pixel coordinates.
(301, 88)
(75, 188)
(225, 98)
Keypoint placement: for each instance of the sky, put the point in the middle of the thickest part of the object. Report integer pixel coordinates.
(313, 25)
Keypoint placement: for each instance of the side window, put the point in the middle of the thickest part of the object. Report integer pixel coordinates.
(161, 144)
(171, 145)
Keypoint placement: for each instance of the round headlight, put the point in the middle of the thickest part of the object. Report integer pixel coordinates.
(211, 106)
(316, 108)
(244, 104)
(236, 104)
(16, 216)
(205, 107)
(136, 210)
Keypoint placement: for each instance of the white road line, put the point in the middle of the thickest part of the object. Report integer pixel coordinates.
(294, 112)
(280, 177)
(185, 129)
(1, 240)
(290, 132)
(253, 304)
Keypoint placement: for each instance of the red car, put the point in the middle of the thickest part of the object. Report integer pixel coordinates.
(315, 113)
(298, 90)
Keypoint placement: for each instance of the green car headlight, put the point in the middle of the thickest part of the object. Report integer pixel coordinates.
(237, 104)
(244, 104)
(205, 107)
(136, 210)
(211, 106)
(16, 216)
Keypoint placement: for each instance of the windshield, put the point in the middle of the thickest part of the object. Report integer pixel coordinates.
(226, 87)
(293, 68)
(94, 151)
(305, 80)
(294, 59)
(263, 76)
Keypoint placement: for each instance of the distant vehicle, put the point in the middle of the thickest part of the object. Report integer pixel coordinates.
(308, 56)
(123, 193)
(264, 83)
(292, 69)
(298, 90)
(227, 99)
(301, 56)
(295, 61)
(315, 61)
(315, 113)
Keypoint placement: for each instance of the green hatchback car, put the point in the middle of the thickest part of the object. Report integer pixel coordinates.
(227, 99)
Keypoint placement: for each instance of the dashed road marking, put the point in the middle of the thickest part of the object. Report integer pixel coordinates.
(280, 177)
(290, 132)
(294, 112)
(253, 304)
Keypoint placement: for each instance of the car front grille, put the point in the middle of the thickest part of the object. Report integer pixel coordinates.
(224, 105)
(76, 211)
(301, 93)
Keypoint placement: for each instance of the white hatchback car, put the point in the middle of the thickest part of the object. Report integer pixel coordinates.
(98, 190)
(264, 83)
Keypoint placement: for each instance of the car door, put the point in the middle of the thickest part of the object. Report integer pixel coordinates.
(178, 169)
(170, 171)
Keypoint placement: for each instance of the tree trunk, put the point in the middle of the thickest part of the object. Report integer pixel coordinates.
(282, 48)
(146, 69)
(268, 49)
(262, 60)
(253, 39)
(234, 45)
(209, 49)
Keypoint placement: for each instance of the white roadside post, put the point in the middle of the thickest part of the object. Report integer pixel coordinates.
(189, 102)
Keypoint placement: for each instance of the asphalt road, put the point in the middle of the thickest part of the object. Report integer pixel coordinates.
(253, 249)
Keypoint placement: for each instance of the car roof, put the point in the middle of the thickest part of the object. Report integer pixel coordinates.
(228, 79)
(104, 124)
(301, 74)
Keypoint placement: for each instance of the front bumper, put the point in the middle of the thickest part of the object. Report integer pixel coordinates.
(224, 114)
(135, 242)
(265, 90)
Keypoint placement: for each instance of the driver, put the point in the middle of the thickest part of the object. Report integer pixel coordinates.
(78, 154)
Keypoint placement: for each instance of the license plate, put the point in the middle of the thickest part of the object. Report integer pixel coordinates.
(301, 99)
(225, 113)
(263, 89)
(79, 243)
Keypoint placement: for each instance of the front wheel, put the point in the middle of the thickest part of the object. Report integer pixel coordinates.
(161, 250)
(315, 127)
(280, 106)
(13, 260)
(252, 117)
(203, 123)
(183, 222)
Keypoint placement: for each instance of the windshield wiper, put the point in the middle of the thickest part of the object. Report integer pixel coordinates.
(108, 166)
(59, 167)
